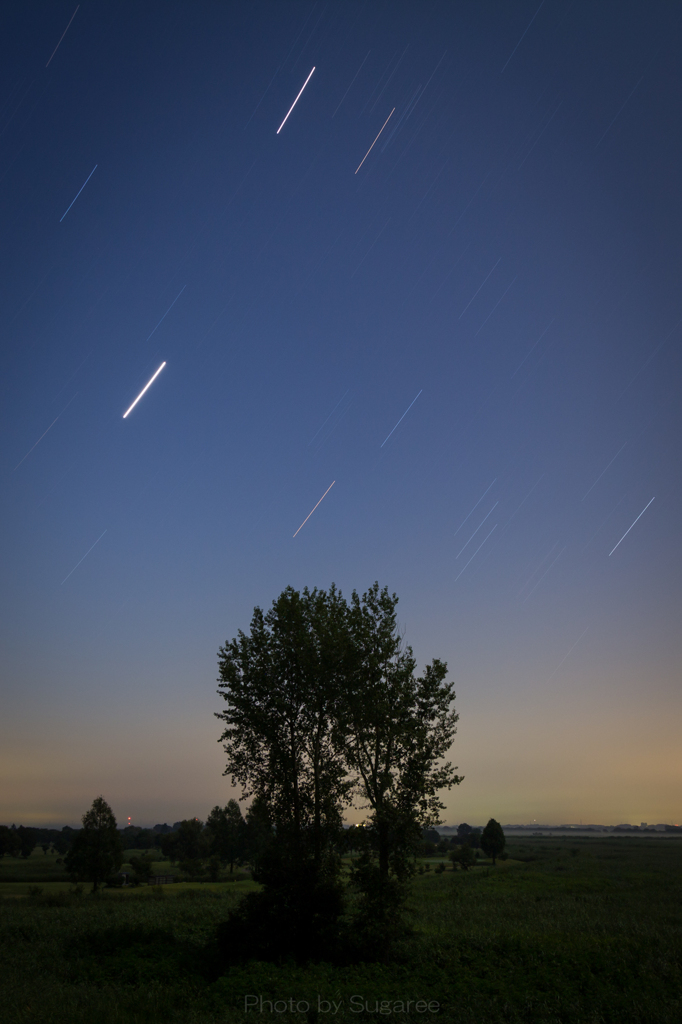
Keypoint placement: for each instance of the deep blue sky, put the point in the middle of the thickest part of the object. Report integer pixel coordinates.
(509, 251)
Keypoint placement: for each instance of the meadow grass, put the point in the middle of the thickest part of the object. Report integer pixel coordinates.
(566, 930)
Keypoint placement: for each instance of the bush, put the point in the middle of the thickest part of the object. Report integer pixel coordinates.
(380, 920)
(298, 921)
(142, 867)
(464, 856)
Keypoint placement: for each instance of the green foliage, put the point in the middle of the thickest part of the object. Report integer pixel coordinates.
(493, 839)
(27, 841)
(295, 918)
(463, 856)
(95, 852)
(282, 684)
(598, 942)
(228, 833)
(396, 728)
(168, 844)
(193, 842)
(322, 705)
(142, 867)
(259, 834)
(134, 837)
(190, 845)
(10, 842)
(379, 918)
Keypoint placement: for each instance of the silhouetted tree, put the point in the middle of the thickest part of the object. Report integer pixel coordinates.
(323, 703)
(493, 839)
(10, 843)
(282, 684)
(464, 856)
(63, 841)
(27, 841)
(397, 728)
(142, 866)
(192, 845)
(259, 833)
(228, 833)
(168, 844)
(95, 852)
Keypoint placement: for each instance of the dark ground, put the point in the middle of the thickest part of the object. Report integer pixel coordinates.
(566, 930)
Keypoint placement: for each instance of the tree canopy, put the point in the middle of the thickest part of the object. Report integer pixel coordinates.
(493, 839)
(283, 684)
(325, 709)
(228, 831)
(397, 728)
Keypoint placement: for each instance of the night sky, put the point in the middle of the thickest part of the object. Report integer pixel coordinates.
(503, 272)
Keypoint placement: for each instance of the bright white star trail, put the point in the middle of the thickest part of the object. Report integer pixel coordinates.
(147, 385)
(630, 527)
(319, 502)
(374, 143)
(295, 102)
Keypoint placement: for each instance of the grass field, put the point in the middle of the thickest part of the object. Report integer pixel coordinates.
(567, 930)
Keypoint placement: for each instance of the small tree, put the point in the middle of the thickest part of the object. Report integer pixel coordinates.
(192, 846)
(493, 839)
(169, 845)
(63, 841)
(464, 856)
(95, 852)
(142, 866)
(228, 833)
(28, 841)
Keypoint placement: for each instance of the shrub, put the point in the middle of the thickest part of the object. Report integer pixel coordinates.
(298, 920)
(464, 856)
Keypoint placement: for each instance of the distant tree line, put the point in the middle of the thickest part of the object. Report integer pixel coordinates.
(21, 841)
